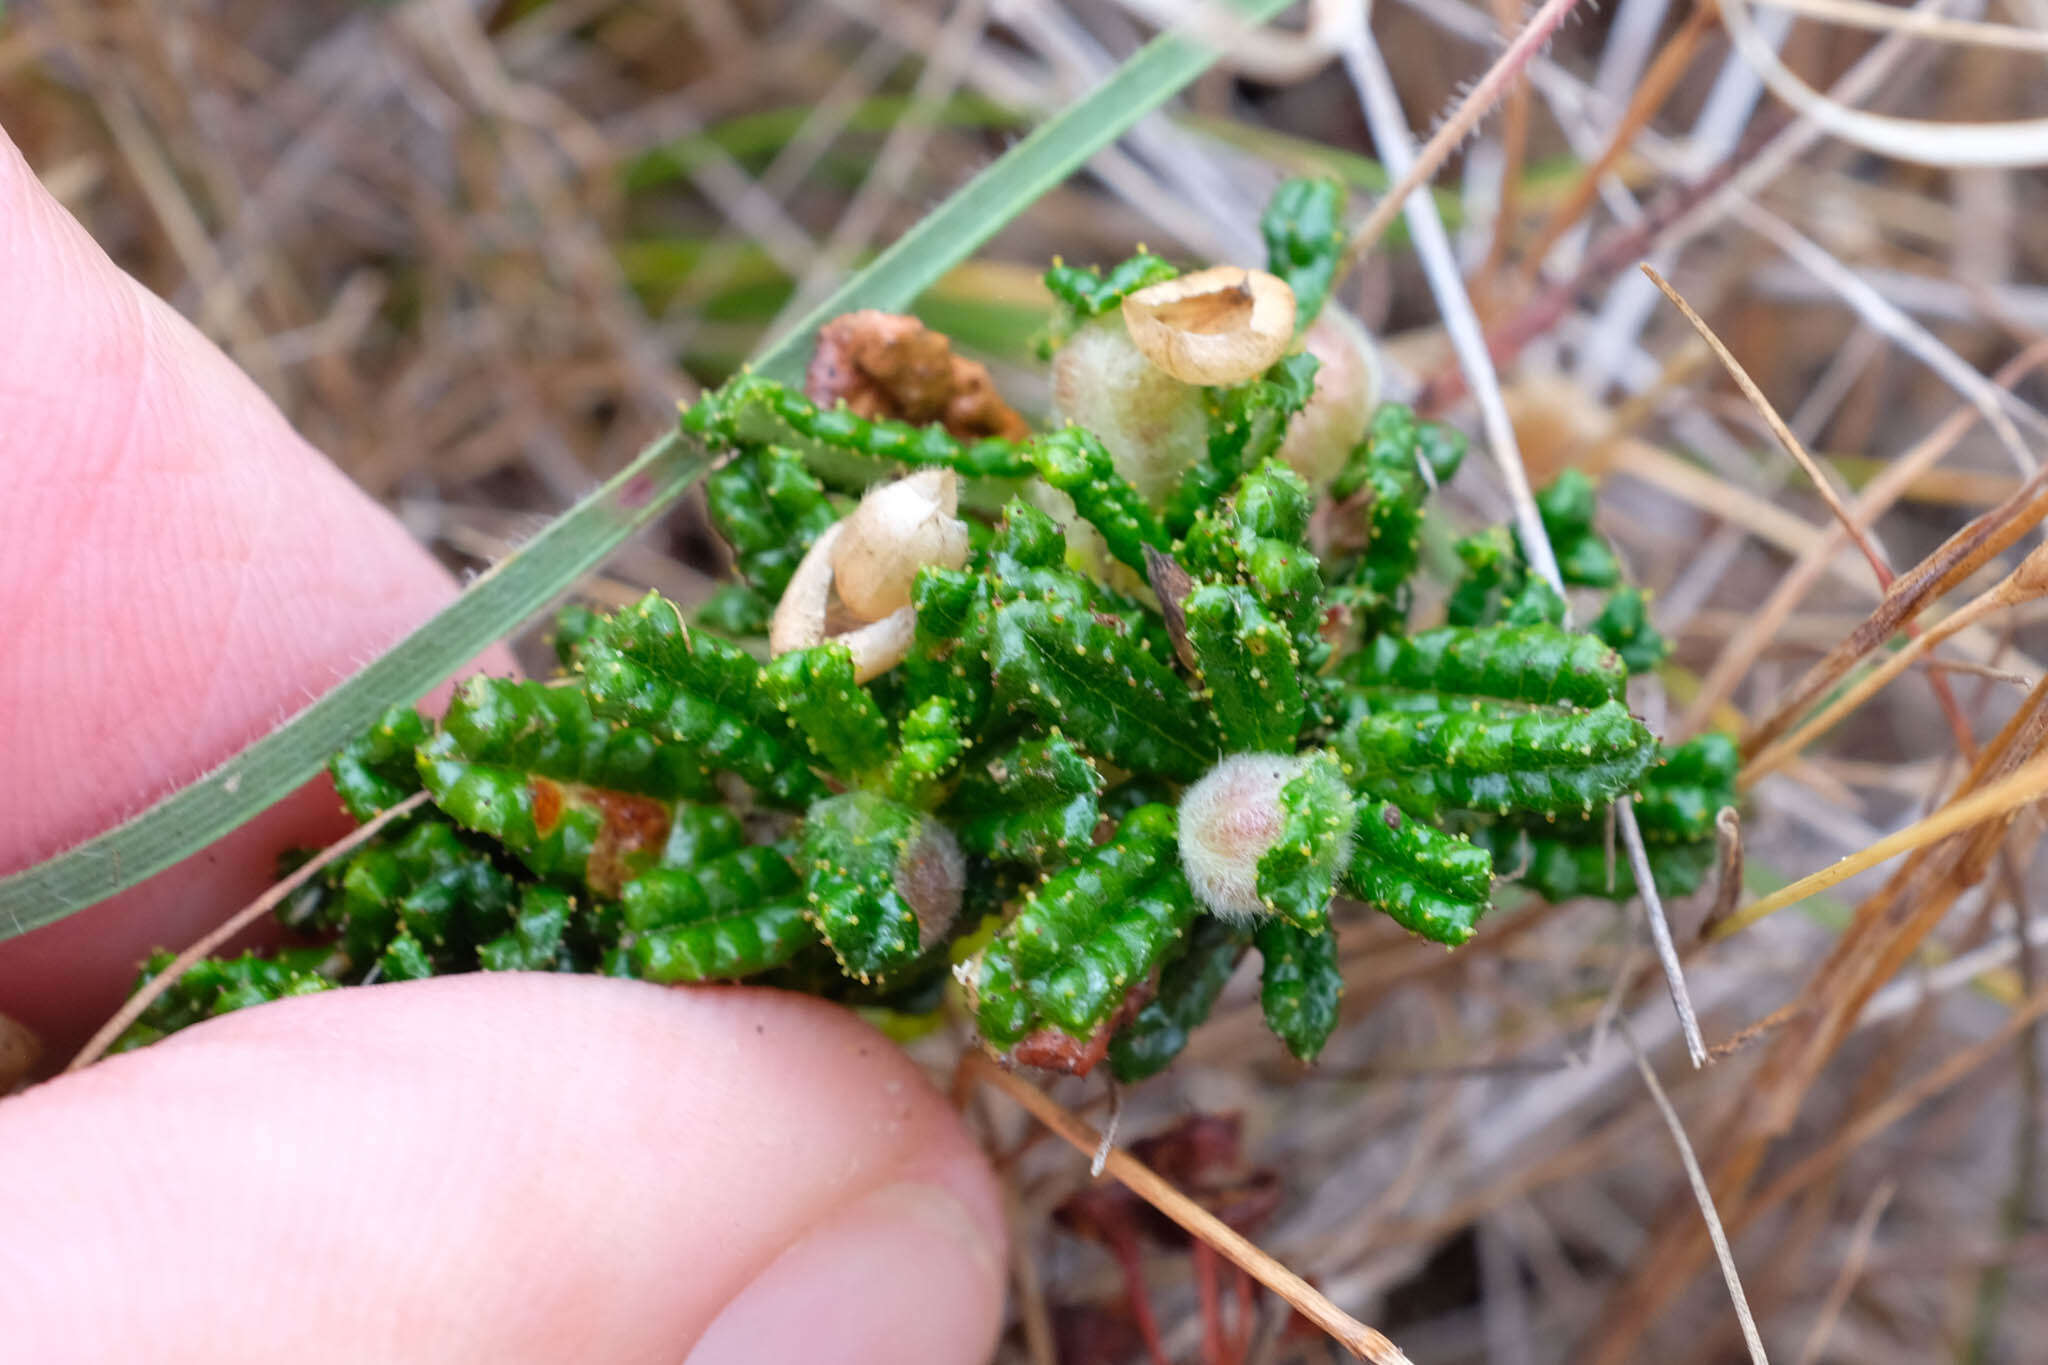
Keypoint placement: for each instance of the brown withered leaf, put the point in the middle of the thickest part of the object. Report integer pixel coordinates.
(886, 365)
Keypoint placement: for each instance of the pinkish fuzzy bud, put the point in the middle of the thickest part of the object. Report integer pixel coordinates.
(1228, 821)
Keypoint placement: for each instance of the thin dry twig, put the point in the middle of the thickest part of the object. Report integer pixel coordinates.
(234, 924)
(1862, 14)
(1702, 1195)
(1852, 1266)
(1744, 648)
(1793, 446)
(2026, 583)
(1502, 76)
(1361, 1340)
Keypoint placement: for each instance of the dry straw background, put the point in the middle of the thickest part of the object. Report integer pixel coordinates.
(478, 251)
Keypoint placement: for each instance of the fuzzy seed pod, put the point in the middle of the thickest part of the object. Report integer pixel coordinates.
(932, 877)
(1153, 425)
(1218, 326)
(1321, 436)
(898, 529)
(1228, 821)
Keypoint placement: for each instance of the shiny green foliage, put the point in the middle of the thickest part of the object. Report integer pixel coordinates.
(1584, 559)
(858, 852)
(837, 717)
(1034, 802)
(1676, 804)
(217, 986)
(742, 943)
(1086, 292)
(1495, 759)
(1101, 686)
(1298, 874)
(1299, 985)
(645, 667)
(1429, 882)
(732, 916)
(1258, 538)
(684, 806)
(1438, 669)
(444, 890)
(769, 508)
(1249, 667)
(1088, 934)
(839, 446)
(1391, 473)
(535, 941)
(1497, 588)
(1304, 230)
(531, 767)
(1075, 462)
(376, 769)
(1624, 623)
(928, 744)
(1247, 423)
(1188, 987)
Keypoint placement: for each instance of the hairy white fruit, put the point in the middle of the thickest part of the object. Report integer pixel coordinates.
(1153, 425)
(1227, 822)
(1218, 326)
(1322, 434)
(898, 528)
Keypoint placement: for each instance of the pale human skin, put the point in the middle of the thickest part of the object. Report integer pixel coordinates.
(482, 1168)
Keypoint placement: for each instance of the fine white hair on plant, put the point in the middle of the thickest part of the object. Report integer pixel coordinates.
(1227, 822)
(1153, 425)
(1347, 388)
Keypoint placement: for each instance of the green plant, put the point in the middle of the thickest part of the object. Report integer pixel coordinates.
(1112, 743)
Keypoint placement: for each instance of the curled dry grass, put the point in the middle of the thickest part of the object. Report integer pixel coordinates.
(478, 252)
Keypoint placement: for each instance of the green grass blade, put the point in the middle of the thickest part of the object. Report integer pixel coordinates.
(264, 773)
(282, 761)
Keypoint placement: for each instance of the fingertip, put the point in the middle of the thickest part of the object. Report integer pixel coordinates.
(511, 1167)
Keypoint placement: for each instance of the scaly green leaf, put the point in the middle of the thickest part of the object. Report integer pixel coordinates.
(1299, 985)
(495, 604)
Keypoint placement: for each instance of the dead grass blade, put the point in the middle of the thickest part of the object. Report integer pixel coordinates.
(2011, 145)
(1792, 445)
(1743, 649)
(1887, 929)
(1965, 552)
(2024, 584)
(1362, 1341)
(1649, 96)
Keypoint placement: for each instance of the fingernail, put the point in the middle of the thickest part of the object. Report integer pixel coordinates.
(903, 1274)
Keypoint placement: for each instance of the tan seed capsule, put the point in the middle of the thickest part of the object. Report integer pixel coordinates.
(1217, 326)
(799, 620)
(898, 529)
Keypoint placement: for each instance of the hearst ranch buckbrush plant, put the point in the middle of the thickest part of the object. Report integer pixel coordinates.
(1068, 720)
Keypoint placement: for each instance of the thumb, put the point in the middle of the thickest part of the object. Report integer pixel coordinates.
(501, 1168)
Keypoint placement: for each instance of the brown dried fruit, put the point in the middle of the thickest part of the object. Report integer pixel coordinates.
(885, 365)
